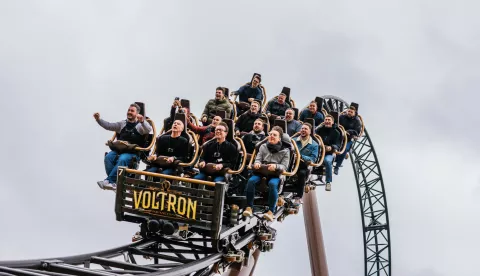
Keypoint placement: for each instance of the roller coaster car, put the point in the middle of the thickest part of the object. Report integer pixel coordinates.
(193, 148)
(209, 168)
(290, 185)
(262, 189)
(143, 149)
(244, 106)
(343, 137)
(320, 107)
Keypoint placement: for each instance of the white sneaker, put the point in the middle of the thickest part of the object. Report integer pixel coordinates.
(102, 184)
(328, 187)
(110, 186)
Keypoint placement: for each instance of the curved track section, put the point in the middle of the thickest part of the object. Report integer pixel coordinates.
(373, 201)
(197, 256)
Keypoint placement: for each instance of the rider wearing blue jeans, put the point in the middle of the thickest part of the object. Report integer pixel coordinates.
(331, 138)
(130, 130)
(277, 156)
(220, 152)
(353, 127)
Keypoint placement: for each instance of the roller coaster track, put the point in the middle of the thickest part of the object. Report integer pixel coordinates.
(197, 256)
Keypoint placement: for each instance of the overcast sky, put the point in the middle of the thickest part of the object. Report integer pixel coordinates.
(413, 66)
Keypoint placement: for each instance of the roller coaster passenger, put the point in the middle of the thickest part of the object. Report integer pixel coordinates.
(220, 103)
(249, 92)
(174, 146)
(312, 112)
(206, 132)
(331, 138)
(176, 108)
(130, 130)
(246, 121)
(293, 126)
(277, 107)
(277, 157)
(219, 152)
(309, 151)
(353, 127)
(251, 139)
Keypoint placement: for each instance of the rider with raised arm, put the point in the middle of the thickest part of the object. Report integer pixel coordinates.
(353, 127)
(293, 126)
(277, 157)
(130, 130)
(251, 139)
(249, 92)
(331, 138)
(309, 151)
(220, 152)
(206, 132)
(312, 112)
(220, 103)
(246, 120)
(173, 147)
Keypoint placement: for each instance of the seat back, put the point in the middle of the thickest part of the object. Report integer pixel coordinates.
(312, 122)
(142, 108)
(185, 103)
(281, 123)
(222, 114)
(297, 113)
(335, 116)
(266, 123)
(355, 105)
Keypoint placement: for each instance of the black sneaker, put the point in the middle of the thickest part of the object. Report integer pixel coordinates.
(335, 170)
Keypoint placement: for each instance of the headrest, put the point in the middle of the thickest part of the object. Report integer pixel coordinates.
(222, 114)
(335, 116)
(265, 123)
(296, 115)
(185, 103)
(230, 134)
(319, 101)
(286, 91)
(312, 122)
(142, 108)
(355, 105)
(258, 75)
(227, 91)
(182, 117)
(281, 123)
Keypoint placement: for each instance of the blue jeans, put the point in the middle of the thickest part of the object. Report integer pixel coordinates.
(273, 184)
(202, 176)
(328, 163)
(339, 159)
(111, 167)
(168, 171)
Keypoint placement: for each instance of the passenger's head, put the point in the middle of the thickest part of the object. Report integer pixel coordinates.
(132, 112)
(254, 107)
(351, 111)
(177, 126)
(255, 81)
(258, 125)
(221, 131)
(216, 120)
(289, 115)
(328, 122)
(281, 98)
(219, 93)
(306, 130)
(275, 135)
(312, 107)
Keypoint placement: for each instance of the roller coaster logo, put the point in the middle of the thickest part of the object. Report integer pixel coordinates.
(165, 202)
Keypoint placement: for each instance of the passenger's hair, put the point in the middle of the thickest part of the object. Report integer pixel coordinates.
(309, 125)
(314, 102)
(353, 108)
(260, 119)
(328, 115)
(224, 125)
(136, 106)
(221, 88)
(279, 130)
(291, 110)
